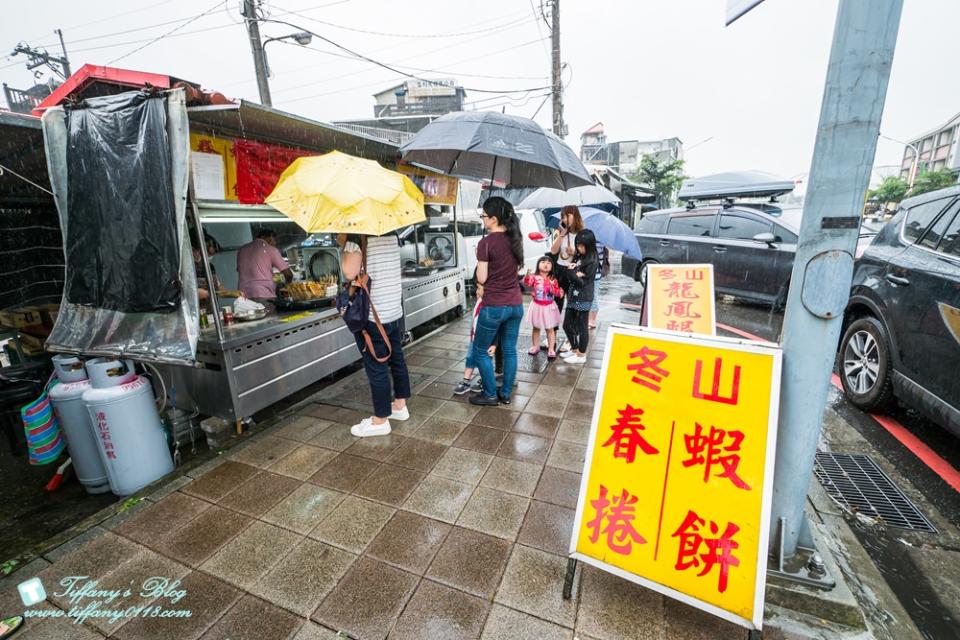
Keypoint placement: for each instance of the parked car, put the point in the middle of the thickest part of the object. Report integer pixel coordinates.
(901, 335)
(750, 245)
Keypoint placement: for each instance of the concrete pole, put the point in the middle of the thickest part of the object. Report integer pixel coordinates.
(863, 43)
(556, 68)
(256, 47)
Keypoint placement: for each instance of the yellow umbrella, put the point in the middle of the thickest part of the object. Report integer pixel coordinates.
(339, 193)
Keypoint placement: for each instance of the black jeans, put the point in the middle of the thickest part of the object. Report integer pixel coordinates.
(575, 325)
(380, 373)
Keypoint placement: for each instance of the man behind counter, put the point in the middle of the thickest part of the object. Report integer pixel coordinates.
(255, 264)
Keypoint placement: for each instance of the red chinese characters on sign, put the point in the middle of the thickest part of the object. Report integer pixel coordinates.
(103, 430)
(626, 436)
(614, 518)
(681, 290)
(681, 310)
(710, 451)
(667, 274)
(693, 274)
(714, 394)
(718, 550)
(683, 325)
(648, 371)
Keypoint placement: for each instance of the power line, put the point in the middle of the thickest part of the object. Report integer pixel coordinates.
(113, 17)
(378, 82)
(537, 20)
(388, 48)
(402, 35)
(161, 37)
(389, 67)
(420, 69)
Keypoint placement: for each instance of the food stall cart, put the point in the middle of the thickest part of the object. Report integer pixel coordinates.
(236, 152)
(247, 366)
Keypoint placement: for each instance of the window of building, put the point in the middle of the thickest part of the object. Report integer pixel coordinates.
(695, 225)
(920, 217)
(945, 137)
(738, 226)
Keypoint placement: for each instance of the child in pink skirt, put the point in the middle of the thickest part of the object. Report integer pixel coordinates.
(544, 313)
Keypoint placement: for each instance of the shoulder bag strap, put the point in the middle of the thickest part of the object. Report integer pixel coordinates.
(373, 309)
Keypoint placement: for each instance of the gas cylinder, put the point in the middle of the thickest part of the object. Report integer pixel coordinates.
(129, 434)
(66, 398)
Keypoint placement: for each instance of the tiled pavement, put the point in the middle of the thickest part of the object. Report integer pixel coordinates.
(455, 526)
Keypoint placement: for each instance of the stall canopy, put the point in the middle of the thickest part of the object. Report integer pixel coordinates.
(249, 120)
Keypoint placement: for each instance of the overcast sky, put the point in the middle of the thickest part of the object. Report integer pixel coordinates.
(647, 69)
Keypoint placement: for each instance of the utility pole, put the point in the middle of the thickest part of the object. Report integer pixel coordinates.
(256, 47)
(864, 39)
(558, 127)
(66, 60)
(40, 58)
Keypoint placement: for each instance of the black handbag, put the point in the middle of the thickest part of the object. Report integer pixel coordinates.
(355, 306)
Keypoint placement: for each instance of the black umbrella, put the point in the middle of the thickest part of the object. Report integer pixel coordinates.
(487, 146)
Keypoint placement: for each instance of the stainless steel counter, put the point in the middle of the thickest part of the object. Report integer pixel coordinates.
(260, 362)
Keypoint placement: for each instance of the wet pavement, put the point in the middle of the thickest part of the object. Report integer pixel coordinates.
(454, 526)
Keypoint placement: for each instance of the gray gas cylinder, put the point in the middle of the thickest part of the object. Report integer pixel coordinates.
(130, 438)
(67, 400)
(69, 368)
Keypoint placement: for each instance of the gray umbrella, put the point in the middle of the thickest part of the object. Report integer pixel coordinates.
(483, 145)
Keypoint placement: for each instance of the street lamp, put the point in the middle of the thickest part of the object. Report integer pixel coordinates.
(916, 158)
(302, 38)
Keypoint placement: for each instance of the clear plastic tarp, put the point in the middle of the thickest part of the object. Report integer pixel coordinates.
(131, 289)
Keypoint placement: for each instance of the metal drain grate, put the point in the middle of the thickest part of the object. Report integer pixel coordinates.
(861, 486)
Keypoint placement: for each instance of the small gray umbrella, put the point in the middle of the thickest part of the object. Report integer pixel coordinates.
(488, 146)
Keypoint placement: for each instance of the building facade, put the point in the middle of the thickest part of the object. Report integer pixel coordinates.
(624, 156)
(937, 148)
(418, 98)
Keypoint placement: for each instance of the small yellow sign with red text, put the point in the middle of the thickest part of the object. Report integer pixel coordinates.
(678, 475)
(680, 298)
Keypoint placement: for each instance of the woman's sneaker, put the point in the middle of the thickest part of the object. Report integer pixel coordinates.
(575, 359)
(366, 428)
(464, 387)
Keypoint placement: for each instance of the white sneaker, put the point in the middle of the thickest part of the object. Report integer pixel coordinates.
(565, 351)
(575, 359)
(366, 428)
(400, 414)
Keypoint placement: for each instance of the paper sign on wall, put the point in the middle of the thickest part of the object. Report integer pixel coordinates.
(678, 477)
(680, 297)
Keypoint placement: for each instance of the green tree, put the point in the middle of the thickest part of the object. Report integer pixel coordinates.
(892, 189)
(663, 177)
(933, 180)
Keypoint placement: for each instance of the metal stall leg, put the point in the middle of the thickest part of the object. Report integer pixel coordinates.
(568, 579)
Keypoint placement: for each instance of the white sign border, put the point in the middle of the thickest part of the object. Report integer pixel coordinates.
(648, 293)
(747, 346)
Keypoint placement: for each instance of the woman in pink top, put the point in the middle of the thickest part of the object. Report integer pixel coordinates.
(255, 264)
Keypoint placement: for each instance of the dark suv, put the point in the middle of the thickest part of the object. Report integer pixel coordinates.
(750, 245)
(902, 325)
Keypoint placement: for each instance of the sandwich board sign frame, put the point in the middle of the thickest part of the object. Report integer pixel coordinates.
(681, 297)
(678, 477)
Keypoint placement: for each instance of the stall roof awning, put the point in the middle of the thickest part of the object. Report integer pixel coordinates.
(254, 121)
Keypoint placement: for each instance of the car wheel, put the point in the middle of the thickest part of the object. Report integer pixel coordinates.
(865, 370)
(641, 274)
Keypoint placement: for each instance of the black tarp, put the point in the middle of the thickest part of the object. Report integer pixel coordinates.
(122, 248)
